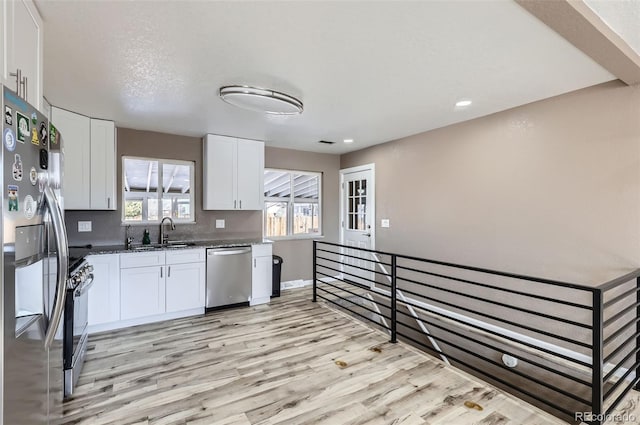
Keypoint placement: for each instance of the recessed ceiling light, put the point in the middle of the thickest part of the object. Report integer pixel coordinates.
(463, 103)
(261, 100)
(348, 140)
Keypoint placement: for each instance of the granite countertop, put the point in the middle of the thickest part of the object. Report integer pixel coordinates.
(83, 251)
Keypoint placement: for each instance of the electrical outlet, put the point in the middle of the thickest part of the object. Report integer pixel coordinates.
(84, 226)
(384, 222)
(219, 224)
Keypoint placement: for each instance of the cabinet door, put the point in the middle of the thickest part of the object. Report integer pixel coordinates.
(185, 286)
(261, 280)
(104, 294)
(75, 130)
(103, 165)
(218, 171)
(250, 170)
(142, 292)
(23, 47)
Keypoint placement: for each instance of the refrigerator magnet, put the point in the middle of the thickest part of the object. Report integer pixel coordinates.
(12, 195)
(34, 137)
(8, 115)
(17, 168)
(44, 133)
(29, 207)
(9, 139)
(53, 134)
(23, 127)
(33, 176)
(34, 118)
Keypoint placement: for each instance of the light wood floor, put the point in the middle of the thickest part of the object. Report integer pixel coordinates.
(276, 364)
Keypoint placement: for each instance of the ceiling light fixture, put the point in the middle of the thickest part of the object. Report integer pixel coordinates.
(348, 140)
(261, 100)
(463, 103)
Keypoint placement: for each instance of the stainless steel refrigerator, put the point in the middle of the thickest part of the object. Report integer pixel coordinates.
(34, 265)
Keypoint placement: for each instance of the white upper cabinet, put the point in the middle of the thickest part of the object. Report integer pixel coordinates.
(103, 165)
(75, 132)
(22, 40)
(89, 181)
(233, 173)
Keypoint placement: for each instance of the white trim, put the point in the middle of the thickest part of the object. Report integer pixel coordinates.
(372, 199)
(298, 283)
(103, 327)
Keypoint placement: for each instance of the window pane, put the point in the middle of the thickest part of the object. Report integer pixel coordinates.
(277, 184)
(306, 186)
(305, 218)
(176, 190)
(133, 209)
(152, 210)
(276, 218)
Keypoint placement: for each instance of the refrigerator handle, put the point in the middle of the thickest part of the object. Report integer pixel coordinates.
(62, 246)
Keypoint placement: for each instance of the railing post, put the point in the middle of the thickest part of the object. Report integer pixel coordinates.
(597, 401)
(393, 299)
(637, 386)
(313, 274)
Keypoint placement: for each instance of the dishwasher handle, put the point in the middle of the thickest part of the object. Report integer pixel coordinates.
(228, 251)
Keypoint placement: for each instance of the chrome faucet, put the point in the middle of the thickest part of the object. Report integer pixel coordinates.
(164, 238)
(127, 239)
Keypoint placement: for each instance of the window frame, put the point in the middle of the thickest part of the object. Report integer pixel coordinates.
(160, 191)
(291, 201)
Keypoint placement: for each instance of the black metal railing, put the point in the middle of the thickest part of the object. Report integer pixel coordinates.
(571, 349)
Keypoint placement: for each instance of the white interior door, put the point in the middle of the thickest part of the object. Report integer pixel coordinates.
(358, 222)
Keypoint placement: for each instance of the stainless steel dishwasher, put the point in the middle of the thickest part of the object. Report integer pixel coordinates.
(228, 276)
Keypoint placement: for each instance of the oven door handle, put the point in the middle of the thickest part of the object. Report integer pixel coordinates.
(87, 285)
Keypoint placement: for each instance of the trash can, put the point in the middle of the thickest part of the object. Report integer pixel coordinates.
(275, 276)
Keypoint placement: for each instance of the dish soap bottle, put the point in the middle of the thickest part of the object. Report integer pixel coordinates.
(146, 240)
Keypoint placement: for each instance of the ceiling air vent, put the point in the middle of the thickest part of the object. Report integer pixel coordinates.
(326, 142)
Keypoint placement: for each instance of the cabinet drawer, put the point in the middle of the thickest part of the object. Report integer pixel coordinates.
(142, 259)
(261, 250)
(180, 256)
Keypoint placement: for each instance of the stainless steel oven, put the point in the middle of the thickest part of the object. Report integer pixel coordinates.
(76, 315)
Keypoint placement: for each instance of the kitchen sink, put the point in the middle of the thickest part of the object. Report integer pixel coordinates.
(152, 247)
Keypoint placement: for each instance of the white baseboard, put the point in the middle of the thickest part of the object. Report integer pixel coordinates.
(298, 283)
(103, 327)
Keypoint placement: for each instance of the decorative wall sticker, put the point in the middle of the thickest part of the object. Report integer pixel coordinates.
(23, 127)
(8, 115)
(9, 139)
(17, 168)
(12, 195)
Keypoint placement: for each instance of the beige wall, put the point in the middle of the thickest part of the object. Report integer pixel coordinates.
(297, 254)
(550, 189)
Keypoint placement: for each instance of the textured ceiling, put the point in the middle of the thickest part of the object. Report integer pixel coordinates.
(370, 71)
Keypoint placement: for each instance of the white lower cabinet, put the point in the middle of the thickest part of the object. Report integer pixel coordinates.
(261, 273)
(143, 287)
(185, 286)
(104, 294)
(142, 292)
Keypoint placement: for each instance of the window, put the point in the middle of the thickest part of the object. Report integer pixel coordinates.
(292, 203)
(157, 188)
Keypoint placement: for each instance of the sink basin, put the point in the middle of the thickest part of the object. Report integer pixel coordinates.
(179, 244)
(152, 247)
(145, 247)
